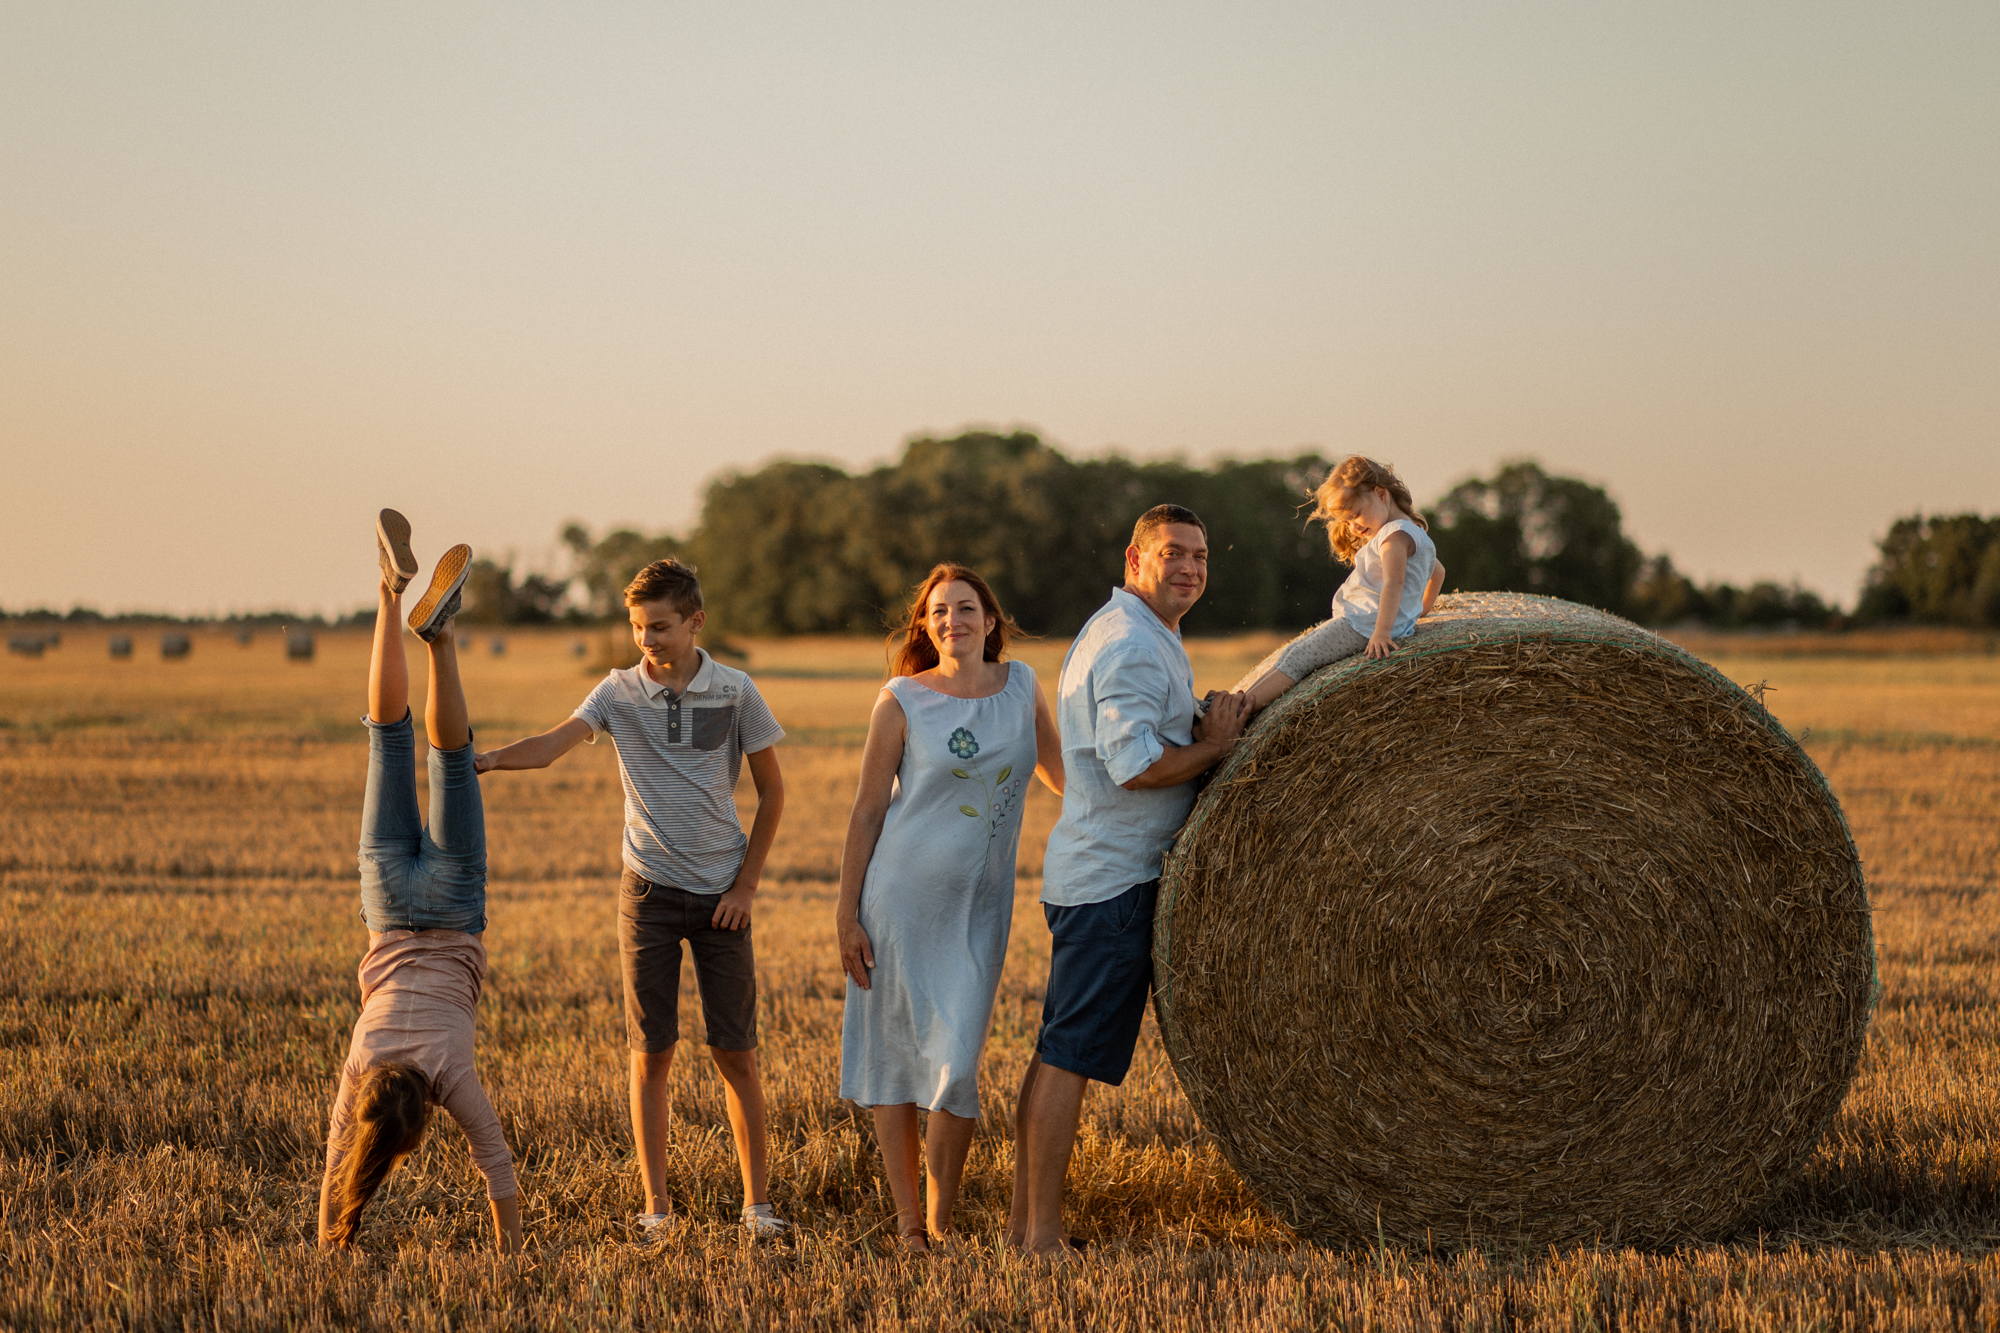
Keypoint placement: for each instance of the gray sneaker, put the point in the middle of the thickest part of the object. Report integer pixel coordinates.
(392, 544)
(763, 1223)
(440, 602)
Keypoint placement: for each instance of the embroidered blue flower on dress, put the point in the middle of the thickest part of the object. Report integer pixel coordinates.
(963, 744)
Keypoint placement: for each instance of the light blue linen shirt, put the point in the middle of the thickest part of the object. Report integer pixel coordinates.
(1127, 693)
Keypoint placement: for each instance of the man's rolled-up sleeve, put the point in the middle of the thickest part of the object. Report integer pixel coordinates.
(1131, 693)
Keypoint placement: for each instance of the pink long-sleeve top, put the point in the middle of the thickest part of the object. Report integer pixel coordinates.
(418, 993)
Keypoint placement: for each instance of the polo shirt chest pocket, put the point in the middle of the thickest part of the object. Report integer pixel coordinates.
(712, 726)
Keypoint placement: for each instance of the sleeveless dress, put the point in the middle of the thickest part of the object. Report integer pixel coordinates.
(938, 898)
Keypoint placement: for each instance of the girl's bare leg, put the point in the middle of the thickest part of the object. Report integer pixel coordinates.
(445, 717)
(1267, 689)
(388, 669)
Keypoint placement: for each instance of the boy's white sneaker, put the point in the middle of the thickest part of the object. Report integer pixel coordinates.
(762, 1221)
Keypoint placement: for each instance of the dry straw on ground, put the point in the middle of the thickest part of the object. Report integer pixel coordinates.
(1537, 931)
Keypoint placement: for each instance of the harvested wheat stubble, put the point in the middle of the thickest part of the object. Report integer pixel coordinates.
(1537, 931)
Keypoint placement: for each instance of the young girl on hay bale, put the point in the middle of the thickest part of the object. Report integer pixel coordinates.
(1372, 523)
(423, 897)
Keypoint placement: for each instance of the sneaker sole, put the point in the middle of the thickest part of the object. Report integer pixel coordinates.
(446, 579)
(392, 532)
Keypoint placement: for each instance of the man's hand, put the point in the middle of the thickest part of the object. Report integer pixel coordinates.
(1214, 735)
(1380, 645)
(857, 951)
(732, 909)
(1227, 714)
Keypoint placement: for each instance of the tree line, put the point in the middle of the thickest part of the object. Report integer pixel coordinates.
(801, 547)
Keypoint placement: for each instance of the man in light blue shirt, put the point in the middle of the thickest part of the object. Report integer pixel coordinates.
(1133, 743)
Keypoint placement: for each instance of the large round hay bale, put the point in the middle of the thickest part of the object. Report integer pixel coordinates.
(1539, 930)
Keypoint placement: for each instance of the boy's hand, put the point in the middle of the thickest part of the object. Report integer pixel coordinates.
(482, 762)
(1379, 646)
(732, 909)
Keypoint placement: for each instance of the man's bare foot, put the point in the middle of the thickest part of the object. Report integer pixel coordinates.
(1060, 1254)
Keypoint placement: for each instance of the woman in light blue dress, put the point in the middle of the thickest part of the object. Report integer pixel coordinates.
(927, 882)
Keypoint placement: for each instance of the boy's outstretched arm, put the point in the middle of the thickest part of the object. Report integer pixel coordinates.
(732, 909)
(536, 751)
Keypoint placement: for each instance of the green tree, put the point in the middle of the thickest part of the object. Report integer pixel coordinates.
(1936, 571)
(1662, 595)
(494, 596)
(1524, 530)
(782, 550)
(606, 564)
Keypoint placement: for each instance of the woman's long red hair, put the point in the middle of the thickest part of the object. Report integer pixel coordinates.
(915, 652)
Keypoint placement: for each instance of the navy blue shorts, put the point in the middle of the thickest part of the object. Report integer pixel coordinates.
(1100, 973)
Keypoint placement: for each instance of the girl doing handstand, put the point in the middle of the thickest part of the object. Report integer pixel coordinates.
(423, 897)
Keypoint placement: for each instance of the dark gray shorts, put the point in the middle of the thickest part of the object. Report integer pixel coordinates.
(653, 919)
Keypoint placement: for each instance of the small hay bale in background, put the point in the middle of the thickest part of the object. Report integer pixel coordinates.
(1537, 931)
(173, 647)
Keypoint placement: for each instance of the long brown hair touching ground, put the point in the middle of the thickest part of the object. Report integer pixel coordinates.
(391, 1108)
(916, 652)
(1353, 473)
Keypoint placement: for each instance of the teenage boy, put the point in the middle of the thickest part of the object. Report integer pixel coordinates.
(683, 724)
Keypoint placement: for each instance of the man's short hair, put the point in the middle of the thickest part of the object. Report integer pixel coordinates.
(667, 581)
(1159, 516)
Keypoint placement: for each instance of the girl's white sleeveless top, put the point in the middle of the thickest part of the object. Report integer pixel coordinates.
(1360, 598)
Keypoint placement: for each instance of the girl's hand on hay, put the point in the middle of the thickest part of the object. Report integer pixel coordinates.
(1380, 645)
(857, 953)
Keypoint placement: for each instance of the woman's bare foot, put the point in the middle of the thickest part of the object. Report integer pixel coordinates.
(916, 1241)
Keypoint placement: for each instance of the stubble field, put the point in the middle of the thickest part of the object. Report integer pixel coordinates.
(177, 983)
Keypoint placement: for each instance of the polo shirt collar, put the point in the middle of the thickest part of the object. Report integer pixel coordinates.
(703, 675)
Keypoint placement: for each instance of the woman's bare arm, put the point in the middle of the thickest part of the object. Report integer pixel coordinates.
(1048, 744)
(881, 756)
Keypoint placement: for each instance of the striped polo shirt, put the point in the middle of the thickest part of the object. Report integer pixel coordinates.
(679, 756)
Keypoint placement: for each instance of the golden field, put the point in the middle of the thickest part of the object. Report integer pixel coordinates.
(177, 982)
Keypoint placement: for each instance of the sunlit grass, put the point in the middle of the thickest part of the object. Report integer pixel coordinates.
(177, 980)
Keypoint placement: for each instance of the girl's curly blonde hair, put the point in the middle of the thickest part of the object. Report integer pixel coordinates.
(1351, 474)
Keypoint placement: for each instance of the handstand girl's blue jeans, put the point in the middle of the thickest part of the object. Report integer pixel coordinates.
(413, 878)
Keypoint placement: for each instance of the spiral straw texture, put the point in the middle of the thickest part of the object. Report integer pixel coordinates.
(1539, 930)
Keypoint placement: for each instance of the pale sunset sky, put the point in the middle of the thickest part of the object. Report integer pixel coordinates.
(271, 267)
